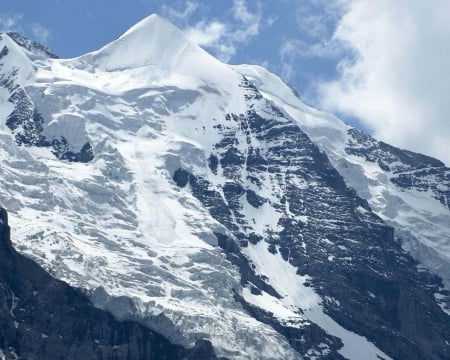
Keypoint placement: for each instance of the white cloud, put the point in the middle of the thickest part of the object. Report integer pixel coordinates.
(293, 49)
(314, 18)
(213, 35)
(397, 82)
(10, 22)
(237, 27)
(271, 19)
(15, 22)
(289, 50)
(206, 34)
(182, 12)
(246, 28)
(39, 32)
(241, 12)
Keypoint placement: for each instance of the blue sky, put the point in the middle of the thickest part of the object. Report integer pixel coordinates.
(381, 65)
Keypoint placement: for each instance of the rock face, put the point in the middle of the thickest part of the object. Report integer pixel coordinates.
(43, 318)
(206, 201)
(370, 284)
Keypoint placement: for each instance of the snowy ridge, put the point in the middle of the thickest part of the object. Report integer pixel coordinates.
(147, 244)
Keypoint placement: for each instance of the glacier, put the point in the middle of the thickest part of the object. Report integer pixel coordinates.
(89, 164)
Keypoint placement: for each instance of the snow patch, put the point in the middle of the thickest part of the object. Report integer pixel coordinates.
(296, 296)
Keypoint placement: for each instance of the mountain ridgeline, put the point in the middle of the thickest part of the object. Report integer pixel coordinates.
(200, 208)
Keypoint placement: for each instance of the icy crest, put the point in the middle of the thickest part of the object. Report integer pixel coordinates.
(154, 43)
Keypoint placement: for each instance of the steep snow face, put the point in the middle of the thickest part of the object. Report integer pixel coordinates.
(14, 61)
(113, 181)
(162, 48)
(117, 225)
(407, 190)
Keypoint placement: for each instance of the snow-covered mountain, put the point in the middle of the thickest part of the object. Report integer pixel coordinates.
(206, 201)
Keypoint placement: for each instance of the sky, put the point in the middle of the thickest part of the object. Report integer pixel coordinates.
(381, 65)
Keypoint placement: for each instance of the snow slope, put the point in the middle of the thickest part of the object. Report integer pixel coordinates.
(118, 226)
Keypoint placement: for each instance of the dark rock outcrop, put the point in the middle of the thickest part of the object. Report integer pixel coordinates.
(370, 286)
(25, 121)
(409, 170)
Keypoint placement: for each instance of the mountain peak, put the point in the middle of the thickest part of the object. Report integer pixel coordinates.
(148, 24)
(157, 48)
(151, 42)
